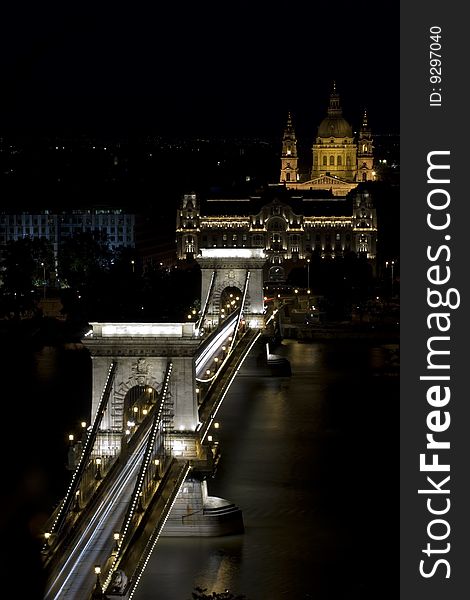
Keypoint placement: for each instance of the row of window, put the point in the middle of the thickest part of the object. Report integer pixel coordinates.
(332, 162)
(71, 220)
(259, 241)
(119, 239)
(332, 141)
(65, 229)
(260, 237)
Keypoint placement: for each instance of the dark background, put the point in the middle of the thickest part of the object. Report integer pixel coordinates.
(195, 68)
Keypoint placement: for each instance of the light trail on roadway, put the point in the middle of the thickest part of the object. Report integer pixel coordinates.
(85, 553)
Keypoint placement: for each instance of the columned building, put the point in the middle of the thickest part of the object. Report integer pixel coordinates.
(286, 225)
(339, 160)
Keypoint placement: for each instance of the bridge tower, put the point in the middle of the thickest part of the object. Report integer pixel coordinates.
(228, 271)
(141, 352)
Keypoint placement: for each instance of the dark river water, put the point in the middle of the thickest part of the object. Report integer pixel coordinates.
(312, 460)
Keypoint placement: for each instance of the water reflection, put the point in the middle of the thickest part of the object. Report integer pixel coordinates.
(309, 459)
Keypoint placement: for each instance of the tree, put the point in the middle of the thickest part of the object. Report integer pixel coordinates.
(200, 594)
(83, 258)
(26, 264)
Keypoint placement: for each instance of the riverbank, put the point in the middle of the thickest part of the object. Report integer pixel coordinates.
(337, 331)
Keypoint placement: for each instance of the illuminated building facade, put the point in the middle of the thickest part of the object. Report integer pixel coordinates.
(339, 161)
(57, 226)
(285, 225)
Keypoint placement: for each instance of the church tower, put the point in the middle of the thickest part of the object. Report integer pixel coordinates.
(365, 156)
(289, 167)
(334, 150)
(187, 224)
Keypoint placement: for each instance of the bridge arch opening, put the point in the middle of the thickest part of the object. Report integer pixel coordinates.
(138, 401)
(277, 274)
(230, 299)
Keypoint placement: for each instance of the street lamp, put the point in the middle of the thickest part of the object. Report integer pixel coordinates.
(156, 462)
(97, 590)
(133, 265)
(98, 475)
(308, 275)
(392, 264)
(44, 279)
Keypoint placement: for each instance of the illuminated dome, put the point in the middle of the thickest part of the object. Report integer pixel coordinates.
(334, 125)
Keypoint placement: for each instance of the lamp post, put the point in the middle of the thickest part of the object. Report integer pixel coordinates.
(97, 590)
(392, 264)
(76, 504)
(116, 537)
(98, 474)
(156, 462)
(308, 276)
(44, 279)
(133, 265)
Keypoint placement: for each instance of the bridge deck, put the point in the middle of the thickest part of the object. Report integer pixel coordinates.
(72, 570)
(216, 393)
(93, 542)
(148, 530)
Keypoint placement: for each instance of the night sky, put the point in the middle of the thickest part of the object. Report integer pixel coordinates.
(195, 68)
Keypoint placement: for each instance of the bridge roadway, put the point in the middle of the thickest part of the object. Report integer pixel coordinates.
(218, 389)
(93, 543)
(212, 345)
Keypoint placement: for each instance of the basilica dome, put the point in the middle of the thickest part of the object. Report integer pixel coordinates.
(334, 126)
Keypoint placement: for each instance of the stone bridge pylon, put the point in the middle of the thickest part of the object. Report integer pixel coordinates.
(141, 352)
(225, 269)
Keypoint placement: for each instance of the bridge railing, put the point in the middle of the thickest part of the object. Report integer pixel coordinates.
(220, 385)
(242, 306)
(206, 303)
(149, 468)
(72, 496)
(136, 554)
(210, 340)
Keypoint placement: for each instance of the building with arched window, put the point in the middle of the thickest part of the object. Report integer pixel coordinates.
(286, 225)
(339, 160)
